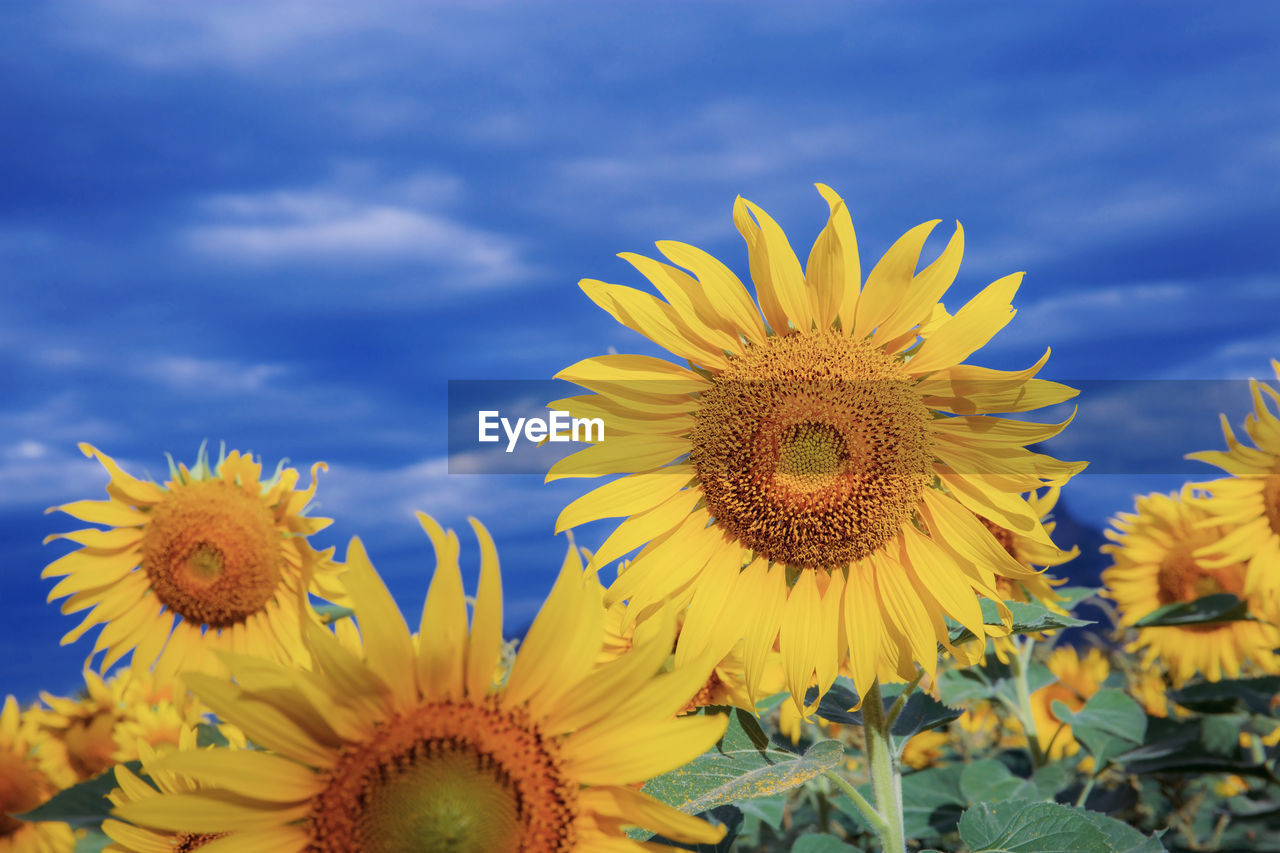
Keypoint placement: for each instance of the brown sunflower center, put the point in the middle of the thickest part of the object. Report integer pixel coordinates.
(1181, 578)
(813, 450)
(189, 841)
(212, 553)
(1271, 501)
(709, 694)
(91, 743)
(22, 788)
(455, 778)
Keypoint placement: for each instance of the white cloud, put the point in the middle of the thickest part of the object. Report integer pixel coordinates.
(209, 376)
(287, 226)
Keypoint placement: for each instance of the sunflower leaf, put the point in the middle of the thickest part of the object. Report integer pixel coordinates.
(1027, 826)
(1226, 697)
(81, 805)
(737, 771)
(1109, 724)
(1028, 618)
(1219, 607)
(932, 802)
(919, 713)
(816, 842)
(330, 613)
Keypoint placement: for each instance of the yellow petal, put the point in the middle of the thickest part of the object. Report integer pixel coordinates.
(770, 305)
(250, 773)
(632, 807)
(921, 295)
(641, 372)
(645, 526)
(775, 268)
(485, 649)
(621, 454)
(889, 279)
(837, 271)
(442, 636)
(725, 293)
(624, 496)
(654, 319)
(972, 326)
(645, 751)
(387, 644)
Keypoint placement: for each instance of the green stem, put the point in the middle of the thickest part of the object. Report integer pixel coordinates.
(898, 704)
(886, 776)
(868, 811)
(1085, 792)
(1020, 664)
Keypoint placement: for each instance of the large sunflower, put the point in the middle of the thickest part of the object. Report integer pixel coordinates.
(412, 746)
(1246, 505)
(1155, 550)
(33, 768)
(217, 558)
(843, 461)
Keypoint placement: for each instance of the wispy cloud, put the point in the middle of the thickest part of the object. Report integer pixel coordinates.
(287, 226)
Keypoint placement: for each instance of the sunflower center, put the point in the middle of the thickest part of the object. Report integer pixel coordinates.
(1180, 578)
(91, 743)
(212, 553)
(1271, 501)
(22, 788)
(813, 450)
(455, 778)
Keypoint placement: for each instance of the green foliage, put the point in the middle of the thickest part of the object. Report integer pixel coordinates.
(330, 613)
(990, 780)
(919, 713)
(1028, 618)
(1219, 607)
(1026, 826)
(85, 804)
(1109, 724)
(737, 770)
(814, 843)
(992, 680)
(92, 842)
(1223, 697)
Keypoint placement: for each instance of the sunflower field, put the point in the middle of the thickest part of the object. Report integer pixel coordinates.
(832, 616)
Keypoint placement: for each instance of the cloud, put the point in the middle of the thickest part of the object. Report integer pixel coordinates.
(209, 375)
(290, 227)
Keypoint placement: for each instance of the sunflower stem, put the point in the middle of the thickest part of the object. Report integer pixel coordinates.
(886, 775)
(898, 704)
(868, 811)
(1020, 663)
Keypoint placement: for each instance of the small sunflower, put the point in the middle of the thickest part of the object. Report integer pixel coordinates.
(1155, 551)
(103, 726)
(32, 769)
(837, 448)
(1246, 505)
(405, 747)
(1078, 679)
(215, 559)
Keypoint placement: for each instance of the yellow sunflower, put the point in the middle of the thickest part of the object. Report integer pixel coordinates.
(32, 769)
(103, 726)
(1246, 505)
(1037, 588)
(845, 462)
(1155, 564)
(217, 558)
(417, 748)
(1078, 679)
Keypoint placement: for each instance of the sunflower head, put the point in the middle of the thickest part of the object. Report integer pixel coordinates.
(1246, 505)
(397, 743)
(33, 767)
(1158, 552)
(216, 557)
(1079, 677)
(825, 462)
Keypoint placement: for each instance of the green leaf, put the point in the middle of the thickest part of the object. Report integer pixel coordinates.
(209, 735)
(85, 804)
(737, 771)
(1022, 826)
(919, 713)
(330, 613)
(1220, 733)
(1121, 837)
(968, 686)
(817, 843)
(92, 842)
(1109, 724)
(1028, 618)
(931, 801)
(1070, 596)
(1224, 697)
(1219, 607)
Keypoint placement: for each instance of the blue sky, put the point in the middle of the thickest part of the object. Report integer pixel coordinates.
(288, 224)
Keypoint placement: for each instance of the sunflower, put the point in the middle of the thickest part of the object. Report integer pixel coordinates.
(843, 461)
(1156, 564)
(32, 769)
(217, 558)
(1078, 679)
(1246, 505)
(417, 748)
(103, 726)
(1034, 588)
